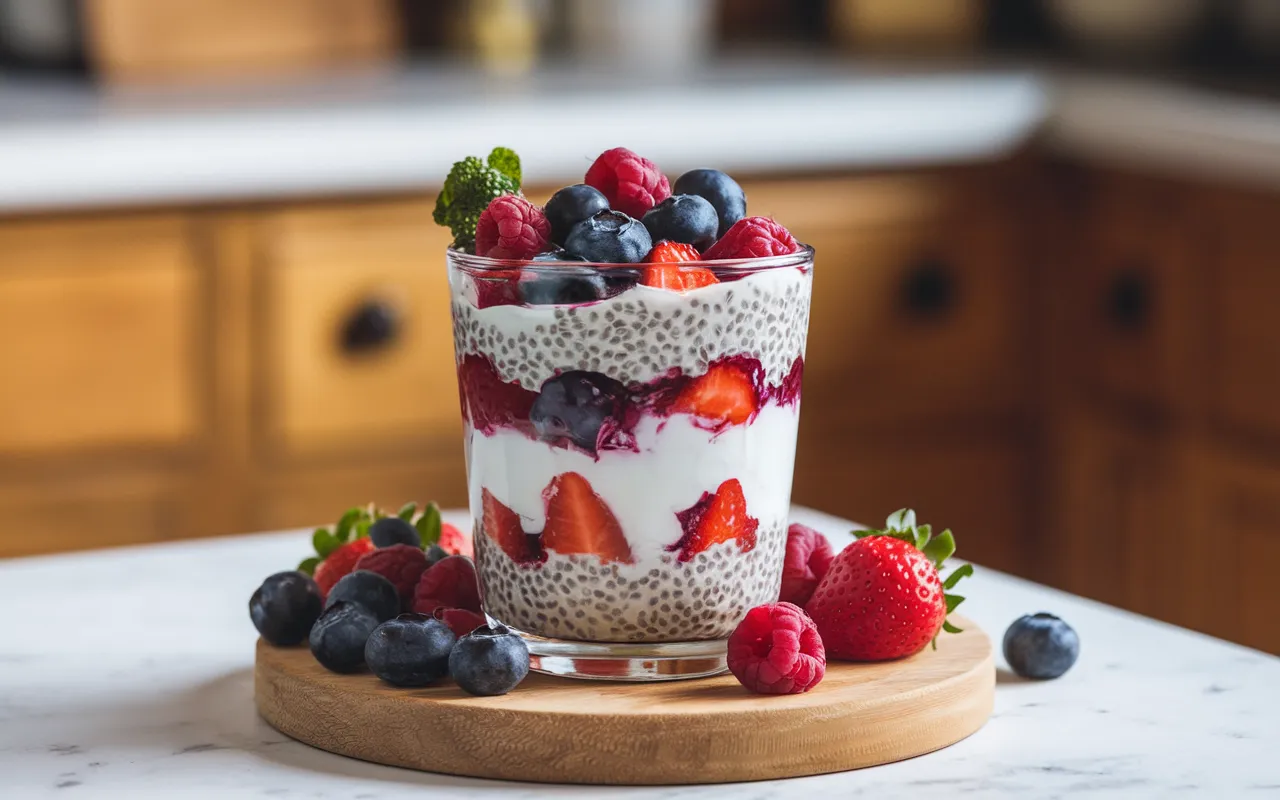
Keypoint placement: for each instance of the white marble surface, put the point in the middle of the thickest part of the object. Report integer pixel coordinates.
(126, 674)
(66, 147)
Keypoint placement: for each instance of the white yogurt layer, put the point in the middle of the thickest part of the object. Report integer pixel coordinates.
(677, 462)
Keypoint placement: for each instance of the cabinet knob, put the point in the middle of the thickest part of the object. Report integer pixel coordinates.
(929, 289)
(1129, 300)
(374, 325)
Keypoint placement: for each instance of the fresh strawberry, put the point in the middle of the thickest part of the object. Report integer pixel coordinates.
(449, 583)
(340, 562)
(722, 394)
(503, 526)
(460, 620)
(455, 542)
(882, 597)
(402, 564)
(578, 521)
(669, 268)
(808, 558)
(717, 518)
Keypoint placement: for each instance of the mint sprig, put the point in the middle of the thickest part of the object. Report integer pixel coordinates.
(901, 524)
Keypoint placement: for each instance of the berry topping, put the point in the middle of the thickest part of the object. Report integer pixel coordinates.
(808, 556)
(337, 639)
(489, 661)
(499, 287)
(340, 562)
(410, 650)
(390, 531)
(631, 184)
(717, 188)
(724, 394)
(776, 650)
(881, 598)
(753, 237)
(609, 237)
(670, 269)
(685, 218)
(560, 286)
(512, 227)
(572, 205)
(284, 607)
(579, 521)
(674, 253)
(503, 526)
(717, 518)
(460, 620)
(453, 542)
(1041, 646)
(402, 564)
(450, 583)
(467, 190)
(575, 406)
(556, 256)
(368, 589)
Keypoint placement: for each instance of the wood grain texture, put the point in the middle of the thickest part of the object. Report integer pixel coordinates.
(701, 731)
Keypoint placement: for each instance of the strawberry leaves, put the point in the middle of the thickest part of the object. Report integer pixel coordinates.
(901, 524)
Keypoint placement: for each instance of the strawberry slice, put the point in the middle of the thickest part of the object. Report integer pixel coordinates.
(723, 394)
(717, 518)
(578, 521)
(670, 268)
(502, 525)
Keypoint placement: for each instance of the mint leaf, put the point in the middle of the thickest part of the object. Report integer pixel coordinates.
(407, 511)
(362, 528)
(324, 542)
(962, 571)
(308, 565)
(940, 549)
(953, 600)
(343, 528)
(429, 525)
(505, 160)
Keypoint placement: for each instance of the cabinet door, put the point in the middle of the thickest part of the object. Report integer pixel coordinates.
(1118, 509)
(918, 297)
(77, 513)
(101, 332)
(356, 345)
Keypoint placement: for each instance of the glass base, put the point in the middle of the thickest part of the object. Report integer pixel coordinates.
(610, 661)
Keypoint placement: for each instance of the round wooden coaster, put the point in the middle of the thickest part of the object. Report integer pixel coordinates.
(711, 730)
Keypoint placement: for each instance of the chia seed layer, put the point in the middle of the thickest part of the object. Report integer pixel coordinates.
(578, 597)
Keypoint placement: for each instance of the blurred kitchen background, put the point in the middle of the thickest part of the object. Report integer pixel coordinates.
(1048, 302)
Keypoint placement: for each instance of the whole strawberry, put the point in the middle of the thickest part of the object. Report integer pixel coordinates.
(340, 563)
(882, 598)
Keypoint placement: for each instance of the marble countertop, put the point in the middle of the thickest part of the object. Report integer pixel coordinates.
(127, 674)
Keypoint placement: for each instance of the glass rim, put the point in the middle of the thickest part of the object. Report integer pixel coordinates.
(470, 261)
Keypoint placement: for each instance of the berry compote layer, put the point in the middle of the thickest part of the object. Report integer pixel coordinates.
(630, 459)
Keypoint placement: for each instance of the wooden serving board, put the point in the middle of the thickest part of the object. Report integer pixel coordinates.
(560, 730)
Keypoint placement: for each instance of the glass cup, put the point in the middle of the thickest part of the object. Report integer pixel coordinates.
(629, 453)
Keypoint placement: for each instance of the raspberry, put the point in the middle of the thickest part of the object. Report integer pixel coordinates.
(753, 237)
(449, 583)
(776, 650)
(454, 542)
(340, 562)
(460, 620)
(512, 227)
(632, 184)
(809, 555)
(402, 564)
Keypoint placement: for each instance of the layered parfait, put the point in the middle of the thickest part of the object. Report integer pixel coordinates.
(629, 363)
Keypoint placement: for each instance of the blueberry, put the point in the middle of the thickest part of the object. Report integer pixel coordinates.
(338, 637)
(489, 660)
(393, 530)
(368, 589)
(609, 237)
(562, 286)
(574, 405)
(284, 607)
(722, 192)
(685, 218)
(572, 205)
(1040, 646)
(410, 650)
(436, 553)
(558, 255)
